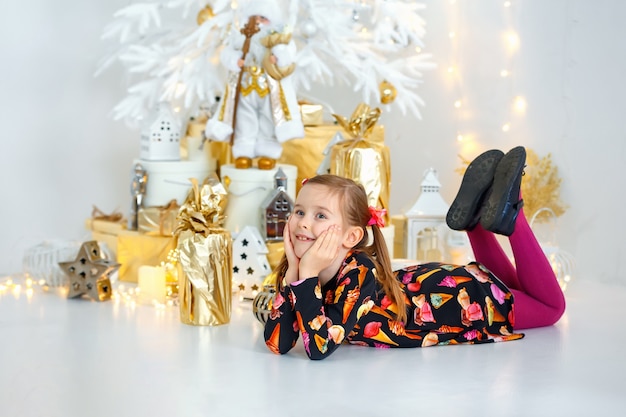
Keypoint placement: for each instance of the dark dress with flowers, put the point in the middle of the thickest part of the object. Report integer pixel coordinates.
(446, 304)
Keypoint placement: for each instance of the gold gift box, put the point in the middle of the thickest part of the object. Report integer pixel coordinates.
(312, 114)
(135, 249)
(276, 250)
(368, 163)
(106, 231)
(158, 220)
(308, 153)
(399, 221)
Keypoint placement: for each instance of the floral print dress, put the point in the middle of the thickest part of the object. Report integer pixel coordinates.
(446, 304)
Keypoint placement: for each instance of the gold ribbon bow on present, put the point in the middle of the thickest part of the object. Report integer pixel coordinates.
(362, 121)
(98, 214)
(203, 209)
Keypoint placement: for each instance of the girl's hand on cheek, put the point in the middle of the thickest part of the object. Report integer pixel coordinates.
(322, 253)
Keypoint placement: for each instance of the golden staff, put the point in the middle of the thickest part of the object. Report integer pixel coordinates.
(248, 30)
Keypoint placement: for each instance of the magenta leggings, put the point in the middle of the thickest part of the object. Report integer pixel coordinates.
(539, 300)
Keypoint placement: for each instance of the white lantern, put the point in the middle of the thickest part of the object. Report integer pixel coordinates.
(160, 136)
(426, 221)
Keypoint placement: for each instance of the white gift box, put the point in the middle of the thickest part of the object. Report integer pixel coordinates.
(169, 180)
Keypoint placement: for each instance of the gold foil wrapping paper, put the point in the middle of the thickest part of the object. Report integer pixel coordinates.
(362, 159)
(308, 153)
(205, 284)
(205, 256)
(158, 220)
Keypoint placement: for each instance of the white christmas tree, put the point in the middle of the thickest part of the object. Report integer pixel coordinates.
(170, 50)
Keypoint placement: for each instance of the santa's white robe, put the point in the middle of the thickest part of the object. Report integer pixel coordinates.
(267, 111)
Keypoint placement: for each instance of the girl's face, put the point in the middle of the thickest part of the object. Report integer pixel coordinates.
(316, 209)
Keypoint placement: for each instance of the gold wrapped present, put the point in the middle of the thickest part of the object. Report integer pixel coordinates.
(105, 228)
(275, 252)
(400, 223)
(205, 256)
(362, 159)
(135, 249)
(308, 153)
(158, 220)
(312, 114)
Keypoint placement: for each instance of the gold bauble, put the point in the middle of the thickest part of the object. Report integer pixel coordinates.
(205, 14)
(388, 92)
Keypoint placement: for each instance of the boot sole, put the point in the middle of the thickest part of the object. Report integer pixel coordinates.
(476, 181)
(499, 211)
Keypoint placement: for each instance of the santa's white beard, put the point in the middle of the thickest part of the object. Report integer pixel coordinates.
(257, 51)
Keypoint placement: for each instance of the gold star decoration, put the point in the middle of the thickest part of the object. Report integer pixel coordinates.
(90, 273)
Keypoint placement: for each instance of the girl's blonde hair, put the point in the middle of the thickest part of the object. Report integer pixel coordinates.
(353, 199)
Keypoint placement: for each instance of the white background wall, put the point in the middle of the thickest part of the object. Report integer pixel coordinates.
(62, 153)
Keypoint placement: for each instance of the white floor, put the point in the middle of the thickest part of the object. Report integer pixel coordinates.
(68, 358)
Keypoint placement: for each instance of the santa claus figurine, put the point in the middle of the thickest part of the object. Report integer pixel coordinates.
(259, 109)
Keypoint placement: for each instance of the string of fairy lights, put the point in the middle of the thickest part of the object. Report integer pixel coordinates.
(454, 73)
(23, 286)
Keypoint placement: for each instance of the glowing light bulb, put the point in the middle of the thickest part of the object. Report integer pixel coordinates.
(451, 35)
(451, 69)
(457, 104)
(504, 73)
(506, 127)
(519, 104)
(459, 138)
(512, 40)
(418, 49)
(507, 4)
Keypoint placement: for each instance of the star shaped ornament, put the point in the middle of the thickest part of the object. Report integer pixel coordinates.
(90, 273)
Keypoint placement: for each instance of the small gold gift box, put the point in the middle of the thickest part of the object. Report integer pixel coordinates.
(312, 114)
(135, 249)
(158, 220)
(399, 221)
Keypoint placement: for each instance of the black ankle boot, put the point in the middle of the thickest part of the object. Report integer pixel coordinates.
(464, 211)
(501, 208)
